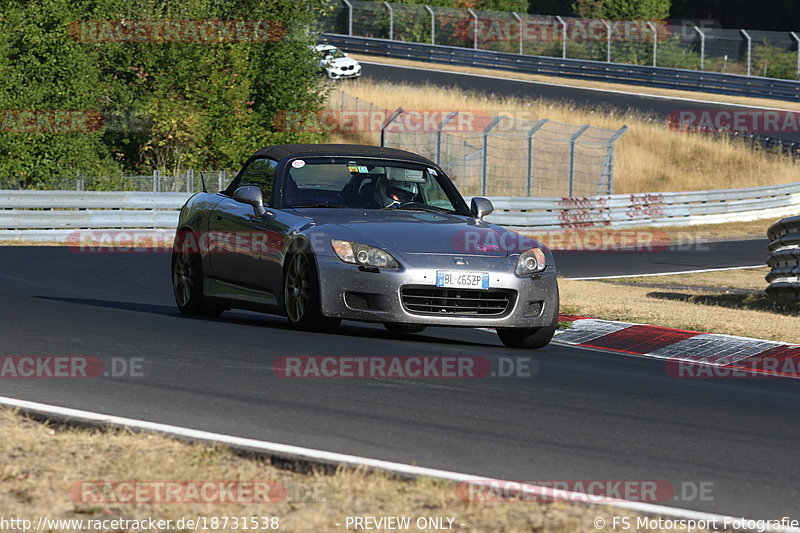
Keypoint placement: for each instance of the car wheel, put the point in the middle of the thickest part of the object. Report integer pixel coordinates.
(400, 329)
(301, 294)
(530, 337)
(187, 278)
(526, 337)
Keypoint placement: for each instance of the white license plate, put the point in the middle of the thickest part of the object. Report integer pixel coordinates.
(462, 280)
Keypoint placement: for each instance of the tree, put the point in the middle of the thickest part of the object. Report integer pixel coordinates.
(623, 9)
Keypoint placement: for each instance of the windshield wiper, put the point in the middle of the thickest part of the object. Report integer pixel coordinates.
(427, 209)
(322, 204)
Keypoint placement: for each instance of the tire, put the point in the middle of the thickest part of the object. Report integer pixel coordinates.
(301, 299)
(526, 337)
(530, 338)
(187, 278)
(402, 329)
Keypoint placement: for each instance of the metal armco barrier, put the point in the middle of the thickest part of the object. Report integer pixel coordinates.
(54, 216)
(647, 209)
(784, 259)
(668, 78)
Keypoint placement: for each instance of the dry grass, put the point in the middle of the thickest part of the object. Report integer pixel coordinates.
(41, 462)
(649, 157)
(569, 82)
(729, 302)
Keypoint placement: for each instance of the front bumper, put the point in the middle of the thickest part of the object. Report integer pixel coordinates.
(377, 295)
(336, 74)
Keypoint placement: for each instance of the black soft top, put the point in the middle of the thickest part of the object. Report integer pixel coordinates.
(281, 151)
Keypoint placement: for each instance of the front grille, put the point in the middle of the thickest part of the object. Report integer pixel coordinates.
(455, 302)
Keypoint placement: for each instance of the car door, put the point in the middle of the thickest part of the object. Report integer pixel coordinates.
(236, 239)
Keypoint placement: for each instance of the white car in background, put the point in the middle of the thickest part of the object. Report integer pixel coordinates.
(337, 64)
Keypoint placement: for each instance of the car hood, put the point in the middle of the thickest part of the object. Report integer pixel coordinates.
(342, 62)
(413, 232)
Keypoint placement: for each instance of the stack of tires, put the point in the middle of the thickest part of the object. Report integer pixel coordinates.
(784, 259)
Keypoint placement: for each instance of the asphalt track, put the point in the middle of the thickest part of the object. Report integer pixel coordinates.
(584, 415)
(657, 106)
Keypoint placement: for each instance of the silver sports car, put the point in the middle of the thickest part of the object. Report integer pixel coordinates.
(321, 233)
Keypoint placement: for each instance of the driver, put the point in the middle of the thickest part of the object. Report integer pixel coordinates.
(392, 193)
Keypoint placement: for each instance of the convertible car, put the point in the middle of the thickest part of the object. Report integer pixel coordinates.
(321, 233)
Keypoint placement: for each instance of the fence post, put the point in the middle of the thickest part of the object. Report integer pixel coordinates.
(484, 168)
(655, 43)
(702, 47)
(572, 157)
(444, 123)
(563, 36)
(749, 50)
(155, 181)
(190, 181)
(433, 23)
(349, 17)
(519, 20)
(396, 113)
(475, 28)
(391, 20)
(221, 180)
(529, 171)
(797, 39)
(608, 40)
(610, 158)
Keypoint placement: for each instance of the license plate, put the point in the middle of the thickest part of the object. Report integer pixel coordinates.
(462, 280)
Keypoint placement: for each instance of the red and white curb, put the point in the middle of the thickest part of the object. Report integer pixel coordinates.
(691, 351)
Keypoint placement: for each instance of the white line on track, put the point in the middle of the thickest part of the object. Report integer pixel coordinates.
(595, 89)
(668, 273)
(321, 456)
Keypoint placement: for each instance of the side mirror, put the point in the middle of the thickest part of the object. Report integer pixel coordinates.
(250, 195)
(481, 207)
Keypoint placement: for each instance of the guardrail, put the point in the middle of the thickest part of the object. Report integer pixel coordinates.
(784, 259)
(667, 78)
(648, 209)
(55, 216)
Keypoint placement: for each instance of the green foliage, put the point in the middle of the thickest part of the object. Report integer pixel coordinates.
(623, 9)
(774, 62)
(184, 104)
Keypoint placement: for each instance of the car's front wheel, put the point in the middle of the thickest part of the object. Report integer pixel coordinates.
(301, 294)
(401, 329)
(187, 278)
(526, 337)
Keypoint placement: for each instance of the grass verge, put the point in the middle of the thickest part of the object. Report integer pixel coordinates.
(730, 302)
(42, 463)
(649, 157)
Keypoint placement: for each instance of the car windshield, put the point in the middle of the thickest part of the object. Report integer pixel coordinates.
(369, 184)
(334, 54)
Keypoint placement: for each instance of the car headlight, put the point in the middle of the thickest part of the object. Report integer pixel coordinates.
(530, 262)
(362, 254)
